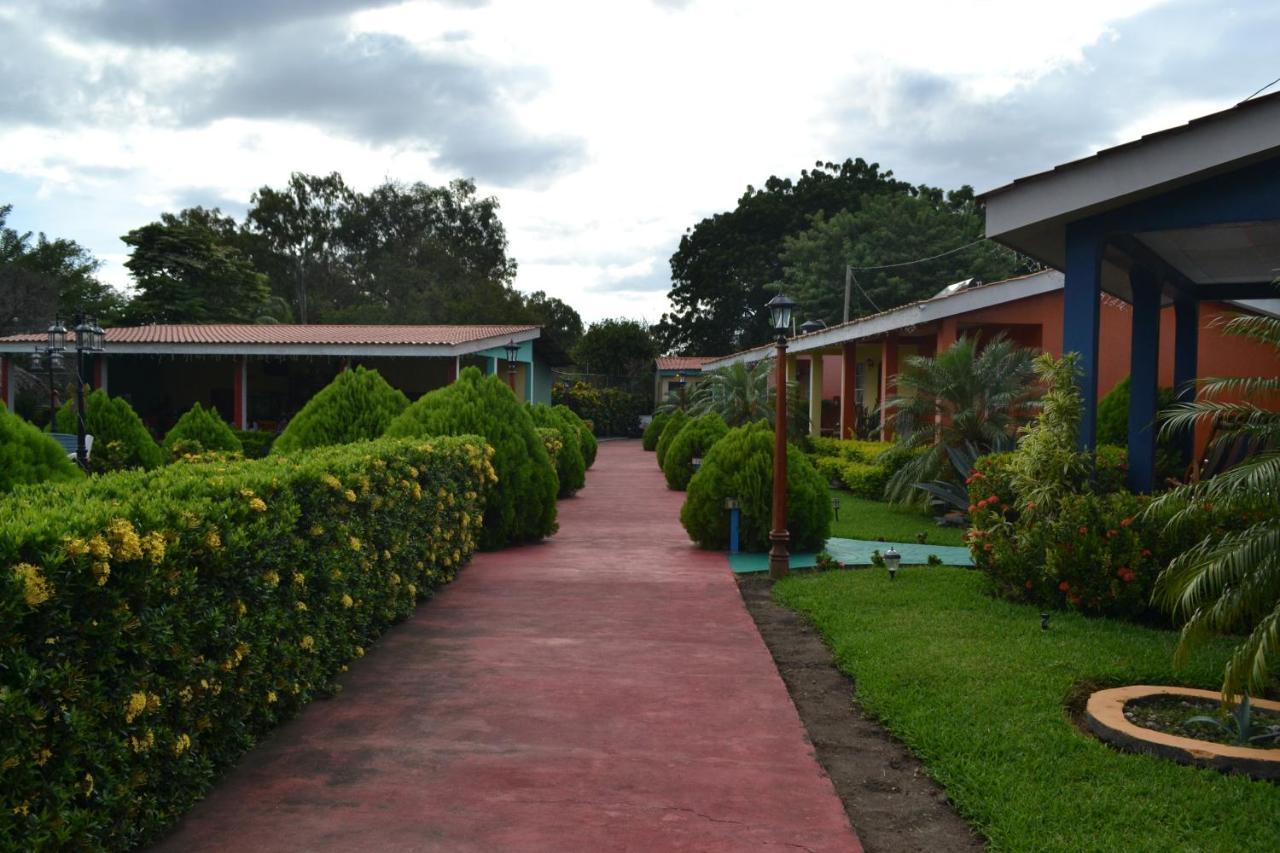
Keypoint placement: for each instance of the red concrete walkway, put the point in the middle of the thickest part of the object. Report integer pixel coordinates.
(605, 690)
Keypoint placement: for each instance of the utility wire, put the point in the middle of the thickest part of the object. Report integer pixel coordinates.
(1263, 89)
(851, 278)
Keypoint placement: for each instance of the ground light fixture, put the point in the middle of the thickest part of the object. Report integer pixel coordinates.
(891, 561)
(780, 310)
(696, 462)
(835, 507)
(1044, 620)
(512, 349)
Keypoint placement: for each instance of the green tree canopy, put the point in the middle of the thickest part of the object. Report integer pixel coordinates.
(617, 348)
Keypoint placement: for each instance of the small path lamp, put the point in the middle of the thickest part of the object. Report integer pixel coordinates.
(90, 340)
(891, 561)
(780, 308)
(50, 357)
(512, 349)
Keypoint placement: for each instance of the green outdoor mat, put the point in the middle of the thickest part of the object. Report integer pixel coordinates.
(857, 552)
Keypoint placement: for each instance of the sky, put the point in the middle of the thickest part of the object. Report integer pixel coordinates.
(606, 129)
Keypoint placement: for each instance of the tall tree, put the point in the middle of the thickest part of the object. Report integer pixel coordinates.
(558, 318)
(722, 271)
(185, 274)
(620, 349)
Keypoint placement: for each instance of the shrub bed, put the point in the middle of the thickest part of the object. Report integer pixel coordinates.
(611, 411)
(357, 405)
(740, 465)
(29, 456)
(120, 439)
(201, 430)
(523, 507)
(861, 467)
(695, 439)
(158, 623)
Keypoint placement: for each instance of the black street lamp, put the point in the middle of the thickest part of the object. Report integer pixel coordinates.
(50, 357)
(512, 349)
(780, 308)
(90, 340)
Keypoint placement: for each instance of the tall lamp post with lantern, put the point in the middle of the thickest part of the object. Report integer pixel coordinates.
(50, 357)
(512, 349)
(90, 340)
(780, 309)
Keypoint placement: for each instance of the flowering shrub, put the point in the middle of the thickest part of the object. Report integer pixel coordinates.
(158, 623)
(358, 404)
(571, 467)
(586, 436)
(695, 439)
(201, 430)
(29, 456)
(740, 465)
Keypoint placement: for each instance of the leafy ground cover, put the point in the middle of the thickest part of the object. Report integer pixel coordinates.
(861, 518)
(975, 688)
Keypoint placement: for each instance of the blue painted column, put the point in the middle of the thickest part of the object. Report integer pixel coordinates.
(1082, 291)
(1186, 350)
(1144, 378)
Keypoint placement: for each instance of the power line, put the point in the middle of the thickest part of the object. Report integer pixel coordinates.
(1263, 89)
(923, 260)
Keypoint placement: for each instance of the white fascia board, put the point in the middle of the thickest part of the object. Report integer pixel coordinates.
(914, 314)
(1114, 177)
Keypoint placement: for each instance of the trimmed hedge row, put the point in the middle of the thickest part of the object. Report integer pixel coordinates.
(861, 467)
(670, 429)
(653, 432)
(158, 623)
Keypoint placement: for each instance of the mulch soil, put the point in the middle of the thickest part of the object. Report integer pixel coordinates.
(891, 801)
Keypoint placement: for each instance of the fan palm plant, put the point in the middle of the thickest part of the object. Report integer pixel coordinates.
(967, 394)
(1230, 583)
(738, 393)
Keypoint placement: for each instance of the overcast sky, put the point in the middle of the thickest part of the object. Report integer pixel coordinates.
(605, 127)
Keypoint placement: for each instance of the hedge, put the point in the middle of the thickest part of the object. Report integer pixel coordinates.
(523, 507)
(27, 455)
(673, 426)
(571, 468)
(357, 405)
(740, 465)
(159, 623)
(201, 430)
(694, 440)
(256, 444)
(120, 439)
(588, 439)
(861, 467)
(611, 411)
(652, 432)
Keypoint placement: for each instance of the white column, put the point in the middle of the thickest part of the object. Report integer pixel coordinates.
(815, 394)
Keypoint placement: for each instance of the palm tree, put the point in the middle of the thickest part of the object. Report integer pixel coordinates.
(738, 393)
(966, 396)
(1230, 583)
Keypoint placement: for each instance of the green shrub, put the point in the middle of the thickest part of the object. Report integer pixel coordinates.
(1113, 428)
(694, 440)
(554, 443)
(120, 439)
(674, 424)
(652, 432)
(611, 411)
(863, 480)
(29, 456)
(357, 405)
(740, 466)
(158, 624)
(201, 430)
(256, 443)
(586, 437)
(862, 467)
(571, 468)
(829, 467)
(523, 506)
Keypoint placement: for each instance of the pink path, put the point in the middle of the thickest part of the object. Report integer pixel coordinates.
(605, 690)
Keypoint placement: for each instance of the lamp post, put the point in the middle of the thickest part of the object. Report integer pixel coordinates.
(780, 308)
(51, 356)
(680, 386)
(892, 559)
(512, 348)
(89, 342)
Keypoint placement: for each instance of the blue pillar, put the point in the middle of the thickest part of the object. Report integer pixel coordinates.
(1082, 291)
(1144, 378)
(1186, 348)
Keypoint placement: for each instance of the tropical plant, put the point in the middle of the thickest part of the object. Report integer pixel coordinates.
(1049, 462)
(571, 467)
(522, 507)
(120, 439)
(1230, 583)
(199, 431)
(694, 441)
(970, 392)
(739, 393)
(357, 405)
(1240, 725)
(652, 432)
(29, 456)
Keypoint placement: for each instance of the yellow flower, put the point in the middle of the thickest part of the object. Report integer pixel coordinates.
(257, 505)
(308, 643)
(413, 472)
(88, 784)
(36, 589)
(43, 756)
(299, 579)
(181, 744)
(212, 540)
(270, 578)
(359, 650)
(23, 808)
(346, 600)
(350, 496)
(413, 591)
(76, 547)
(394, 579)
(186, 695)
(301, 606)
(142, 744)
(317, 530)
(125, 543)
(355, 544)
(240, 608)
(102, 571)
(153, 702)
(271, 697)
(136, 705)
(99, 548)
(153, 546)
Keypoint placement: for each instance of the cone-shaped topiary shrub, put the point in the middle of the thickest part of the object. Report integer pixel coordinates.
(674, 424)
(357, 405)
(695, 439)
(120, 439)
(588, 438)
(571, 468)
(522, 507)
(653, 432)
(29, 456)
(552, 441)
(201, 430)
(740, 465)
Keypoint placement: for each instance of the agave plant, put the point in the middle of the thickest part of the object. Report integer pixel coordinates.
(967, 394)
(1241, 725)
(1230, 583)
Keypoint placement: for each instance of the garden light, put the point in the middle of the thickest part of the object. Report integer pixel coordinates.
(696, 462)
(57, 336)
(780, 308)
(835, 507)
(891, 560)
(1044, 620)
(512, 349)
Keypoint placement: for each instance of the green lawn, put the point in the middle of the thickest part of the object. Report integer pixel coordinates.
(866, 519)
(978, 691)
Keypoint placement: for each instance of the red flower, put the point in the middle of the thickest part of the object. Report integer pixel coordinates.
(1029, 585)
(993, 500)
(1146, 552)
(1083, 531)
(1064, 586)
(973, 507)
(1125, 522)
(986, 546)
(1031, 504)
(1111, 533)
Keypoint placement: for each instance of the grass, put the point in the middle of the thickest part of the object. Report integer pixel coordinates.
(978, 691)
(861, 518)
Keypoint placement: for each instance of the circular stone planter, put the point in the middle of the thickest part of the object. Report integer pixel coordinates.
(1104, 715)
